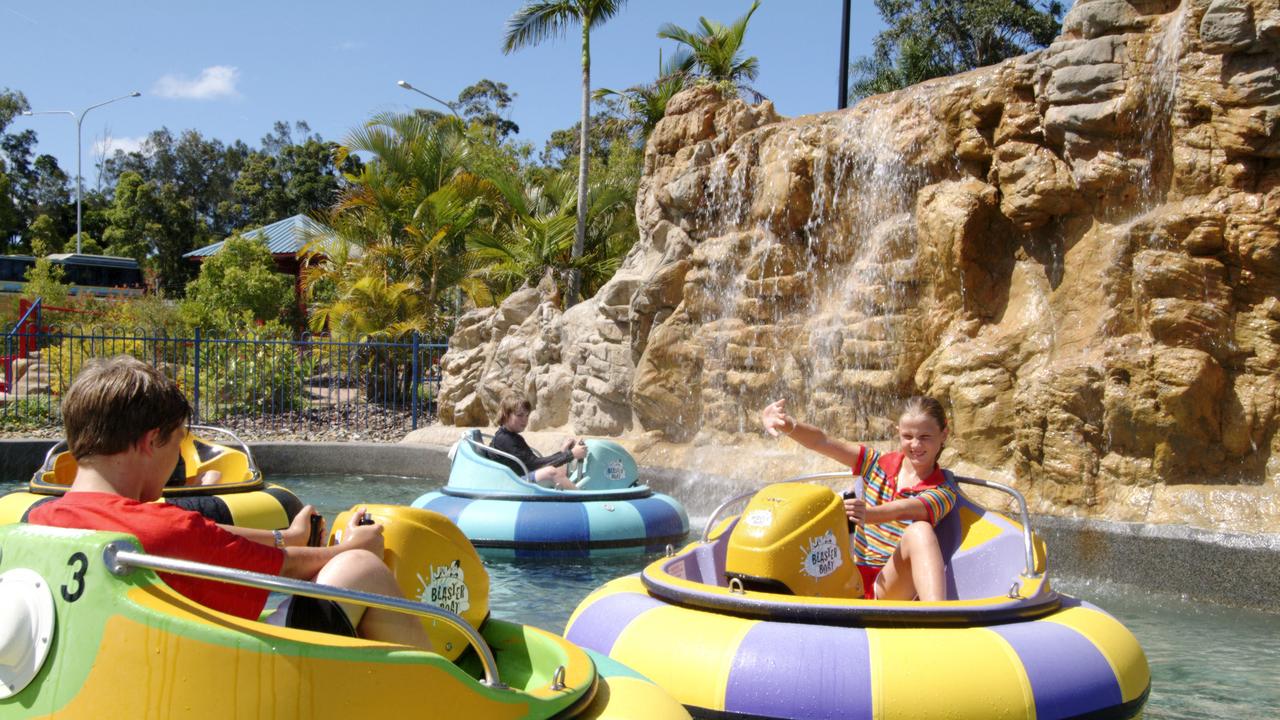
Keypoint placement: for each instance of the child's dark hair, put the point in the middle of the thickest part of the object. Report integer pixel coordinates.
(927, 406)
(509, 405)
(115, 401)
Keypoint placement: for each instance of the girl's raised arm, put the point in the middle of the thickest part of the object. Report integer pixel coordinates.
(777, 422)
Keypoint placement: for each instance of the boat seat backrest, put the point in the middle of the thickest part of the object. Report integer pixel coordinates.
(474, 469)
(983, 551)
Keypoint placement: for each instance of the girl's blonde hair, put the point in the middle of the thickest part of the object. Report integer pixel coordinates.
(927, 406)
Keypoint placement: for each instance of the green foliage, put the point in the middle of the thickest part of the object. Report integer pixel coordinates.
(392, 248)
(647, 104)
(151, 314)
(714, 51)
(936, 38)
(238, 285)
(487, 103)
(538, 20)
(152, 224)
(44, 238)
(32, 412)
(241, 377)
(45, 281)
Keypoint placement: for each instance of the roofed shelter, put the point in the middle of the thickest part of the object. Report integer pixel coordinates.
(285, 240)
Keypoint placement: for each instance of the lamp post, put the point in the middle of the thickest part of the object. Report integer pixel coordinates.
(842, 99)
(404, 84)
(79, 124)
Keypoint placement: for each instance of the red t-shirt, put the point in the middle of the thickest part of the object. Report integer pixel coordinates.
(171, 531)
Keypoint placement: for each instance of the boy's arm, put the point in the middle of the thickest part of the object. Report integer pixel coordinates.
(295, 535)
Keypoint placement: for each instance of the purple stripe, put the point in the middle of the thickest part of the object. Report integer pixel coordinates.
(1068, 675)
(660, 518)
(552, 522)
(831, 679)
(598, 626)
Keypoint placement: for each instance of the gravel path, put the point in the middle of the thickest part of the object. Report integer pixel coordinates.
(362, 423)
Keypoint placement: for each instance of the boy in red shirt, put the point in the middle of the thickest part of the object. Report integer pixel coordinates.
(124, 423)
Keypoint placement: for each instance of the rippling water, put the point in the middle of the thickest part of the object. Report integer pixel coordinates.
(1206, 661)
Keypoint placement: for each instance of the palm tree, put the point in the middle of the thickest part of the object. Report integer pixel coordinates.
(715, 51)
(648, 103)
(399, 228)
(536, 21)
(531, 236)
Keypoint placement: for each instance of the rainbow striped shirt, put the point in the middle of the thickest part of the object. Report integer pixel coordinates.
(873, 544)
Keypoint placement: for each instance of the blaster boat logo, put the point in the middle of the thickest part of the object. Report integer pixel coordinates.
(615, 470)
(447, 588)
(822, 556)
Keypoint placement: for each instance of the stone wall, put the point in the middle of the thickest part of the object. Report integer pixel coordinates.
(1076, 250)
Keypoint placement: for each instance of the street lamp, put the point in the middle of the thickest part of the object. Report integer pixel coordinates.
(407, 86)
(79, 123)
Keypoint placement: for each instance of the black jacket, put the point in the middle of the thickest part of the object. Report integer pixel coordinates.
(512, 444)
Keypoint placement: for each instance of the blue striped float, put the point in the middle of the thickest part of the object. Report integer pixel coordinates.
(504, 515)
(1006, 646)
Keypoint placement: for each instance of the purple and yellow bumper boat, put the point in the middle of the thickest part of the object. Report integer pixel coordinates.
(764, 618)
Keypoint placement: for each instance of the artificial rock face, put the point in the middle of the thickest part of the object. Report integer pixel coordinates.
(1076, 250)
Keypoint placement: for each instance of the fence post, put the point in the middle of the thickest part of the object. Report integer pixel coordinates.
(417, 379)
(196, 392)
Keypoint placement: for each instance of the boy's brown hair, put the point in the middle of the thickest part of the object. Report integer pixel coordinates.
(113, 402)
(510, 404)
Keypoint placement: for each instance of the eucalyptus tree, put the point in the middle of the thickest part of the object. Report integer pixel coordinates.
(536, 21)
(714, 51)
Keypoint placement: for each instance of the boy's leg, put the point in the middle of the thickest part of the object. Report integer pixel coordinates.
(362, 570)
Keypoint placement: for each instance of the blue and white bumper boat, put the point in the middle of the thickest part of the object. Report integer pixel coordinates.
(502, 514)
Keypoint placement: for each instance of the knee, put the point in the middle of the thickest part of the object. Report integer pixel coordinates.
(357, 570)
(920, 534)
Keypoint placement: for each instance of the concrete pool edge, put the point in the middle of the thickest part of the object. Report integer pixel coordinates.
(1235, 569)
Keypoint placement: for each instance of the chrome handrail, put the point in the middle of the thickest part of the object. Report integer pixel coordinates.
(485, 449)
(1027, 539)
(1028, 544)
(244, 446)
(121, 555)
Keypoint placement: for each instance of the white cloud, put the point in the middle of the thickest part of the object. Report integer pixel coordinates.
(112, 144)
(350, 45)
(214, 82)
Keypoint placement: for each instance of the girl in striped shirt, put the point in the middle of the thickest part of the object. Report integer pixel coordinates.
(905, 495)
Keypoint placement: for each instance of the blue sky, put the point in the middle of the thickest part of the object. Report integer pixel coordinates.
(231, 69)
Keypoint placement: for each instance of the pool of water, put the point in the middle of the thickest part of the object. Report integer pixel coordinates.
(1206, 661)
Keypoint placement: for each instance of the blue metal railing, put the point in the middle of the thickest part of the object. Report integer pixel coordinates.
(290, 385)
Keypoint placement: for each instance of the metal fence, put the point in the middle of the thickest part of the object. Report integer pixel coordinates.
(303, 387)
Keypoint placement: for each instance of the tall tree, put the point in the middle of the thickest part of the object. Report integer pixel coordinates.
(536, 21)
(153, 225)
(714, 51)
(18, 176)
(934, 38)
(486, 103)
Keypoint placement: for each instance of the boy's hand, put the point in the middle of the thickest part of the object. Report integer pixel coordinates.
(299, 530)
(363, 536)
(579, 451)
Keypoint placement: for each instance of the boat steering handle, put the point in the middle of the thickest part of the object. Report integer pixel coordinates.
(1024, 517)
(120, 556)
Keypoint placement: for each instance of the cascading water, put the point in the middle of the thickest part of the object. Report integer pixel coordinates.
(816, 313)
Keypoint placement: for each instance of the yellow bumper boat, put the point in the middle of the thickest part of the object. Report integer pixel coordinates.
(216, 479)
(764, 618)
(88, 630)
